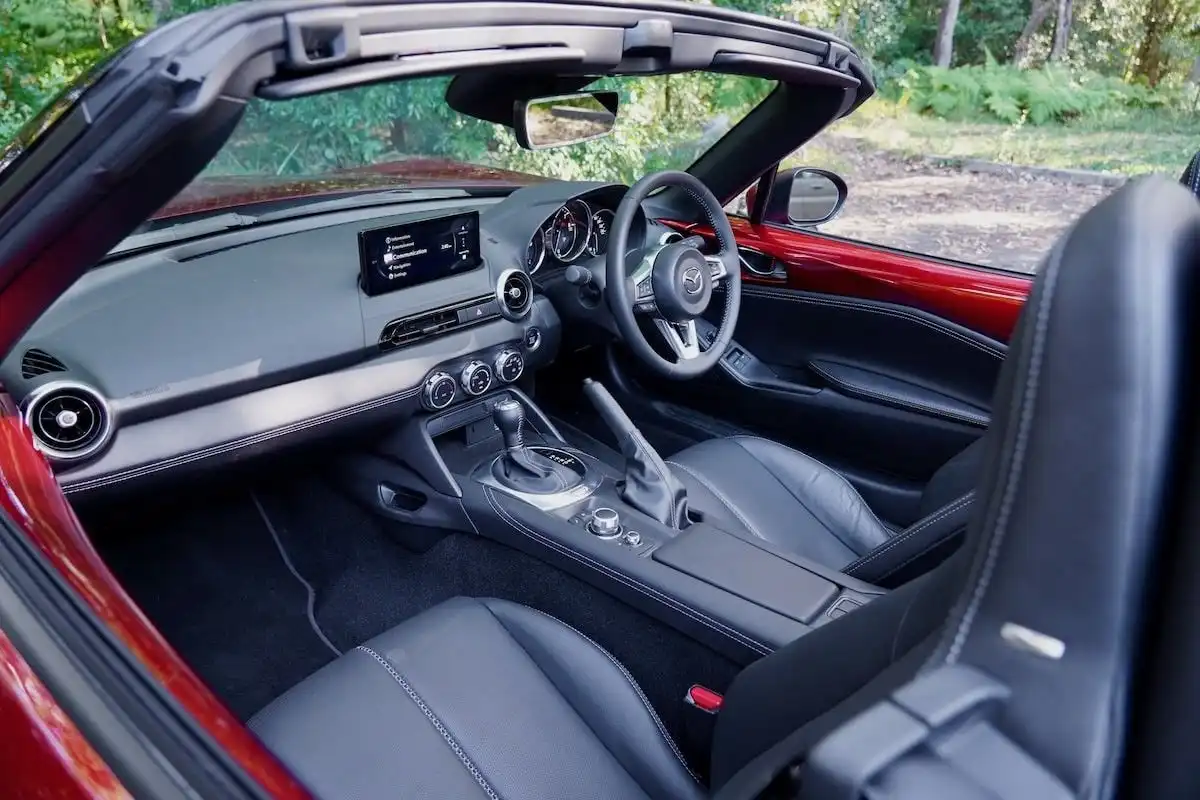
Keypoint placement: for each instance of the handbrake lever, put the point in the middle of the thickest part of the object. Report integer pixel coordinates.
(648, 485)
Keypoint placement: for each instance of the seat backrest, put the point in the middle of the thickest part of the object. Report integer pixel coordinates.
(1191, 175)
(1081, 477)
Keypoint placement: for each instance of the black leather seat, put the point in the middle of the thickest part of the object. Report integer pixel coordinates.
(799, 504)
(485, 698)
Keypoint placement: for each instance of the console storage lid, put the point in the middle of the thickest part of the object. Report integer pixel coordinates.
(752, 573)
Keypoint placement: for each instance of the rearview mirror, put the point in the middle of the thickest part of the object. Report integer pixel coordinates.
(544, 122)
(805, 196)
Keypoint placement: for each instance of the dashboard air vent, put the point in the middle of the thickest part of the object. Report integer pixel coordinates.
(69, 420)
(514, 291)
(419, 327)
(38, 362)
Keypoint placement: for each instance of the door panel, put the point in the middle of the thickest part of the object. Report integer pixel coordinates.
(880, 364)
(984, 300)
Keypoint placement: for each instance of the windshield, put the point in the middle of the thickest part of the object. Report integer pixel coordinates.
(408, 132)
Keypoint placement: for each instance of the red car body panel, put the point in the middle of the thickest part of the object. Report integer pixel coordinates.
(30, 496)
(44, 754)
(987, 301)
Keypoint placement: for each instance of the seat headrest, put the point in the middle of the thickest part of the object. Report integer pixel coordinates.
(1191, 176)
(1079, 468)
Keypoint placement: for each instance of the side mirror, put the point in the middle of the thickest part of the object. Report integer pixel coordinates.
(805, 196)
(544, 122)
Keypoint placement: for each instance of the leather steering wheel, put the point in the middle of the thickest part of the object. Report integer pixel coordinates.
(673, 283)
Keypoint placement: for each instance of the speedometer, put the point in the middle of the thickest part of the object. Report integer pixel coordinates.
(567, 235)
(598, 239)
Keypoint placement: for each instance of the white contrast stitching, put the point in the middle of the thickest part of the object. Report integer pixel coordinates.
(632, 582)
(905, 535)
(874, 309)
(634, 684)
(903, 402)
(437, 723)
(725, 501)
(1025, 401)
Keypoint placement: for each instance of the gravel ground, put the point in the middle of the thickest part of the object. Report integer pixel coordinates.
(1005, 221)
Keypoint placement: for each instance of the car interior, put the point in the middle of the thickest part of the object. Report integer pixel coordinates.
(531, 494)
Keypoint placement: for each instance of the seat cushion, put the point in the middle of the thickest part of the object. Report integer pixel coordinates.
(475, 698)
(781, 495)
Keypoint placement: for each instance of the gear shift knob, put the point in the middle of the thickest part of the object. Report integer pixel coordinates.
(509, 416)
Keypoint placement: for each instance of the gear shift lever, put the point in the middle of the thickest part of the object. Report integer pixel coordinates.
(648, 486)
(519, 467)
(509, 417)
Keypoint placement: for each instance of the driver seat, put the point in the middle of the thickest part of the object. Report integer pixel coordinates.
(770, 491)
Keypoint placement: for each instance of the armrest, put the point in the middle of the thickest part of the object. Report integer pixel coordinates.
(727, 562)
(877, 387)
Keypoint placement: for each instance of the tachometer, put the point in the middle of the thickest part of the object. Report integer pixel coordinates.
(598, 239)
(535, 254)
(567, 235)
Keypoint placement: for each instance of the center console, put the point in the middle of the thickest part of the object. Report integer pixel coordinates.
(497, 466)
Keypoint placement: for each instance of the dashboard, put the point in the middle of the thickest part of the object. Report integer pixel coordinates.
(210, 349)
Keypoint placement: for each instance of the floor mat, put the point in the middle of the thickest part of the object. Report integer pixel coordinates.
(208, 574)
(211, 579)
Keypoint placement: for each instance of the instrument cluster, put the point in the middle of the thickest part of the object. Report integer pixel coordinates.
(577, 230)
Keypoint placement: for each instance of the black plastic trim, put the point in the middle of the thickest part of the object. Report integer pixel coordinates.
(153, 746)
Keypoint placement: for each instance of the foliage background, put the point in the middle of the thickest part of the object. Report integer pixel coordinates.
(1125, 67)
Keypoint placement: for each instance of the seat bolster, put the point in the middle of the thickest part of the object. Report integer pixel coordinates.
(918, 548)
(605, 695)
(822, 491)
(475, 698)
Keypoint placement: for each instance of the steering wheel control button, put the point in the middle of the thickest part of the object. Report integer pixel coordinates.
(439, 391)
(476, 378)
(605, 523)
(508, 365)
(643, 288)
(632, 538)
(533, 338)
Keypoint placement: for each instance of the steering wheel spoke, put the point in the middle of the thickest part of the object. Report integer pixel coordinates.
(670, 281)
(681, 337)
(718, 269)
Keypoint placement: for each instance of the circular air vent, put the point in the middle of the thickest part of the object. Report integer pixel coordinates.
(69, 420)
(514, 291)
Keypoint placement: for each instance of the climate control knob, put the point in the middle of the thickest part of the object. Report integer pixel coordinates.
(508, 365)
(476, 378)
(439, 391)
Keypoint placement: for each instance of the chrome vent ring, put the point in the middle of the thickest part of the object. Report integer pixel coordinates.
(514, 293)
(69, 420)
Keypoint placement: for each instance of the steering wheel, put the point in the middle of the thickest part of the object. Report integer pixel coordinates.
(673, 283)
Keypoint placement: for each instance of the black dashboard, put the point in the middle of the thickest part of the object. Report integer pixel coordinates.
(215, 348)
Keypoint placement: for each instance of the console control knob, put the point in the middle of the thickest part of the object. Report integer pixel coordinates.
(632, 538)
(605, 523)
(476, 378)
(439, 391)
(508, 365)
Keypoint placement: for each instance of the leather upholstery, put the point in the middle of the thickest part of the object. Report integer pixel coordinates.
(1081, 475)
(475, 698)
(781, 495)
(1191, 176)
(797, 503)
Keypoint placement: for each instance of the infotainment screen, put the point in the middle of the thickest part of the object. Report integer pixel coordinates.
(401, 256)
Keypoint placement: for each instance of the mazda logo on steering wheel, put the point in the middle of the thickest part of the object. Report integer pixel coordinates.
(692, 280)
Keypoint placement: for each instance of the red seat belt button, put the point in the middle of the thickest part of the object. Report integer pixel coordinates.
(704, 699)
